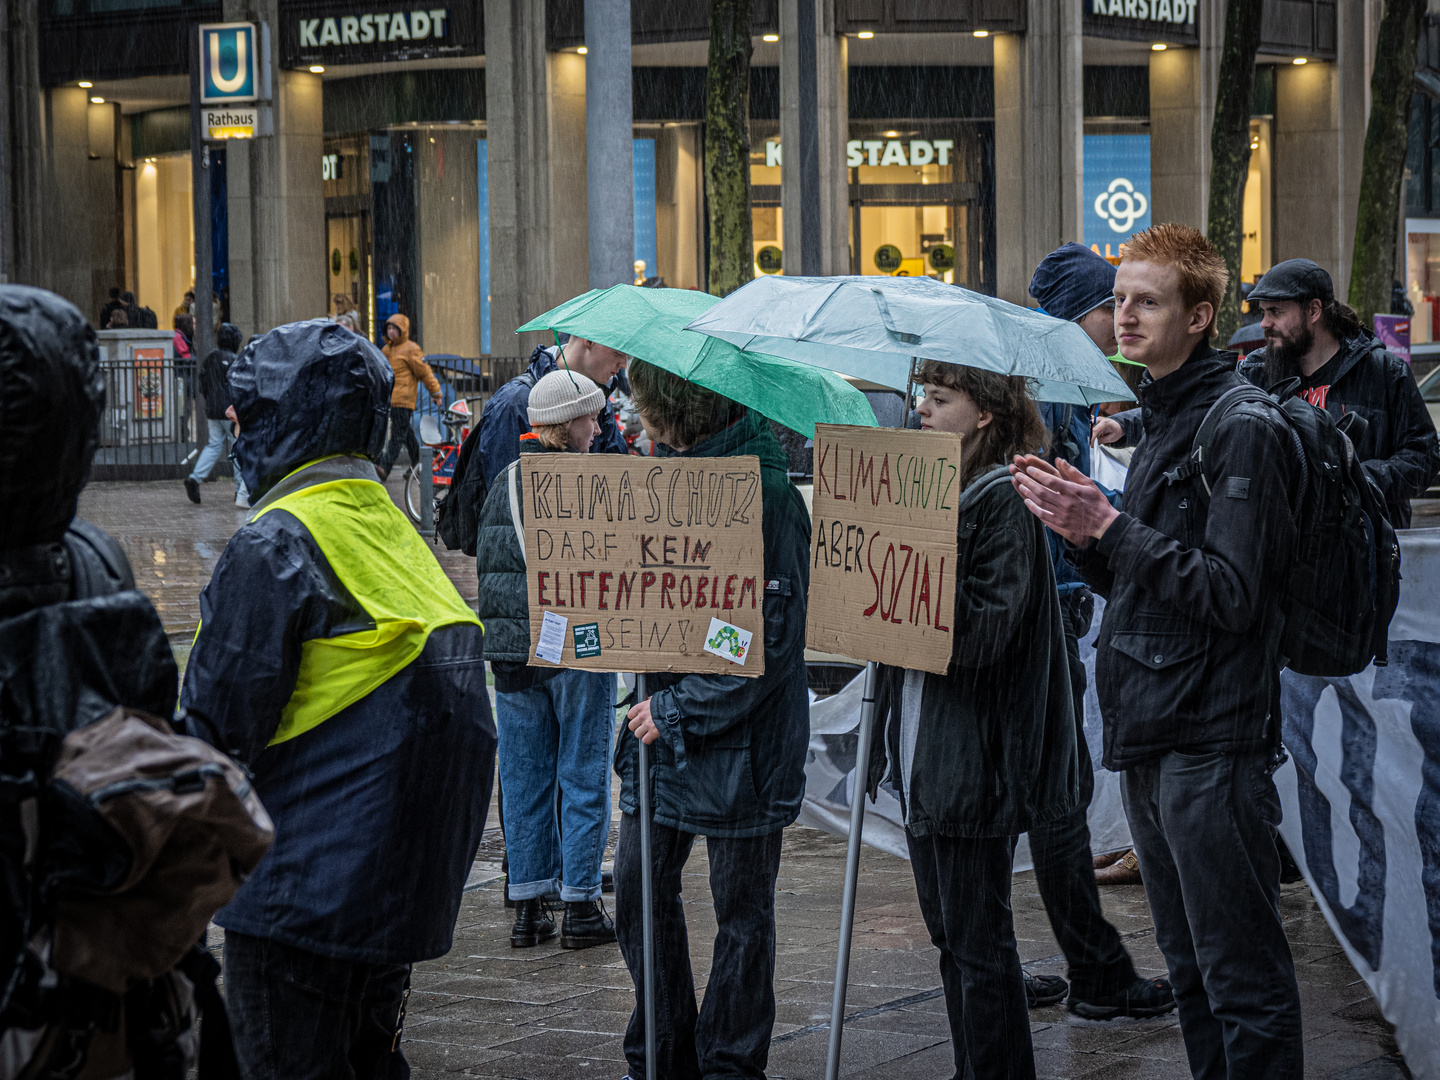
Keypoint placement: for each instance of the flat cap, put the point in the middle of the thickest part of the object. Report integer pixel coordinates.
(1294, 279)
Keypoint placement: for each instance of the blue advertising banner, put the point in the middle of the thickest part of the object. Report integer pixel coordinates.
(228, 62)
(645, 223)
(1117, 189)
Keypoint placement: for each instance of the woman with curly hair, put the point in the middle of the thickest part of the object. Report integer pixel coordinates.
(983, 752)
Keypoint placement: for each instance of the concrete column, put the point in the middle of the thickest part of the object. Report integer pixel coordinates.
(66, 196)
(1315, 188)
(571, 220)
(22, 146)
(609, 163)
(1038, 177)
(832, 130)
(678, 206)
(1182, 109)
(535, 125)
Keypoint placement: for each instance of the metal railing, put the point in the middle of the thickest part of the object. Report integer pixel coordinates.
(149, 429)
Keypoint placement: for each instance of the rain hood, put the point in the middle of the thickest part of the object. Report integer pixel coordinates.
(305, 391)
(51, 395)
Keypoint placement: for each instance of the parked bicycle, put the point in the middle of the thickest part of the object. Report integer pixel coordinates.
(445, 453)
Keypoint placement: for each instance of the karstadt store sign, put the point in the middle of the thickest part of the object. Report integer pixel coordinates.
(332, 35)
(1173, 21)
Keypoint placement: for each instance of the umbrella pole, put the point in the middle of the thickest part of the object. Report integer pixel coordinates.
(852, 871)
(647, 896)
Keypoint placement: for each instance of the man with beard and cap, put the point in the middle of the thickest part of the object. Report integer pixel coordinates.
(339, 663)
(1077, 285)
(1343, 368)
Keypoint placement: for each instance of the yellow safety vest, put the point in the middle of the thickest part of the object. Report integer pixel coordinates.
(381, 560)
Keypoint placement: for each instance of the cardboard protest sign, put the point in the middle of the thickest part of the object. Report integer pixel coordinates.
(882, 561)
(644, 564)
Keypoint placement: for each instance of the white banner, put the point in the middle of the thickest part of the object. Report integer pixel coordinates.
(1361, 794)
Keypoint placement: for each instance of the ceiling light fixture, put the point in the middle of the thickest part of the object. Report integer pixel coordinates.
(86, 85)
(866, 34)
(582, 50)
(97, 101)
(769, 37)
(1299, 60)
(316, 69)
(982, 33)
(892, 134)
(1159, 46)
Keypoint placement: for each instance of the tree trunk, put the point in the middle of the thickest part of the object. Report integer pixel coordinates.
(1230, 149)
(727, 147)
(1372, 267)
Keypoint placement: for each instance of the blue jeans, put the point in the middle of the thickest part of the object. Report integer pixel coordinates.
(557, 735)
(220, 437)
(296, 1015)
(1204, 830)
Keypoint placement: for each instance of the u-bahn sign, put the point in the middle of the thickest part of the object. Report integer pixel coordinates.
(229, 63)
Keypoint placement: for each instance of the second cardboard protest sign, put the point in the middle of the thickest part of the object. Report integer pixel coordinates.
(644, 564)
(882, 560)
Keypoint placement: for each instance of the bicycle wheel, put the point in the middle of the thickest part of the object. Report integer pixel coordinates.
(412, 494)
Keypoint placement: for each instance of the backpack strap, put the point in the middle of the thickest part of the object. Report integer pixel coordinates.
(1217, 412)
(512, 485)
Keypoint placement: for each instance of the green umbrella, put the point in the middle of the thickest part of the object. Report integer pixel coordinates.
(647, 324)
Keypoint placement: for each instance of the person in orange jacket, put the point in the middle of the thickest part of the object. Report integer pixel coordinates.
(408, 363)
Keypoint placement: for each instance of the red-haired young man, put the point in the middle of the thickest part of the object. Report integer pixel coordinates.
(1188, 668)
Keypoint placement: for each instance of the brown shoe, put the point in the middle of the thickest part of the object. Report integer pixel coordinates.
(1110, 858)
(1126, 871)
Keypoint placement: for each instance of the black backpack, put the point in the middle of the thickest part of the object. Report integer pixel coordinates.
(1344, 581)
(457, 518)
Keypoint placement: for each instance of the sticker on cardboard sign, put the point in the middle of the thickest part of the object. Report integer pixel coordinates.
(728, 641)
(551, 645)
(587, 639)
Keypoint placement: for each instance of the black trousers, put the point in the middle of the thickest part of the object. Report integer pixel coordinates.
(299, 1016)
(1065, 874)
(401, 434)
(1204, 828)
(730, 1034)
(964, 889)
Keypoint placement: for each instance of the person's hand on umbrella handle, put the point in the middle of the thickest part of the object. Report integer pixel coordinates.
(1106, 430)
(642, 723)
(1063, 498)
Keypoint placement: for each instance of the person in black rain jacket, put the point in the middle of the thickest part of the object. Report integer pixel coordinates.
(336, 660)
(1188, 662)
(986, 751)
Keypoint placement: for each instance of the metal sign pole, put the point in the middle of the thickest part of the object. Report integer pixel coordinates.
(203, 341)
(647, 894)
(852, 871)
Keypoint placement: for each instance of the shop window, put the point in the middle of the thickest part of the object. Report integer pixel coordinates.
(1256, 222)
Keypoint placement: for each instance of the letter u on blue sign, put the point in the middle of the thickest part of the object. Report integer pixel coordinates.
(227, 62)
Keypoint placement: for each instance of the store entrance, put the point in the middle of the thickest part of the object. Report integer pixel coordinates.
(915, 240)
(348, 248)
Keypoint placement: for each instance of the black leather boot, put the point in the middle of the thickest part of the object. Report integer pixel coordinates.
(533, 924)
(586, 924)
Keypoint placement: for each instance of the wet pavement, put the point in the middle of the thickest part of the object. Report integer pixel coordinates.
(489, 1010)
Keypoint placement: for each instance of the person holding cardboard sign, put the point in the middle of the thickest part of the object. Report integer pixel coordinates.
(729, 764)
(554, 723)
(986, 751)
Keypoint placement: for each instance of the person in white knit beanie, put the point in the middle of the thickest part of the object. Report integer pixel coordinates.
(562, 411)
(555, 725)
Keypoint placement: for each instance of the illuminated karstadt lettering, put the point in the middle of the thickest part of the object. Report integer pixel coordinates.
(380, 26)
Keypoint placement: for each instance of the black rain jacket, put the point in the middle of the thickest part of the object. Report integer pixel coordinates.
(379, 810)
(1399, 449)
(730, 760)
(995, 751)
(1188, 651)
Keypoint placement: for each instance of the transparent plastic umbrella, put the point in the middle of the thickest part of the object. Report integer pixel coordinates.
(876, 328)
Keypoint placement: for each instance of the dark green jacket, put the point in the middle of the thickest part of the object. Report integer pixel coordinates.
(730, 760)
